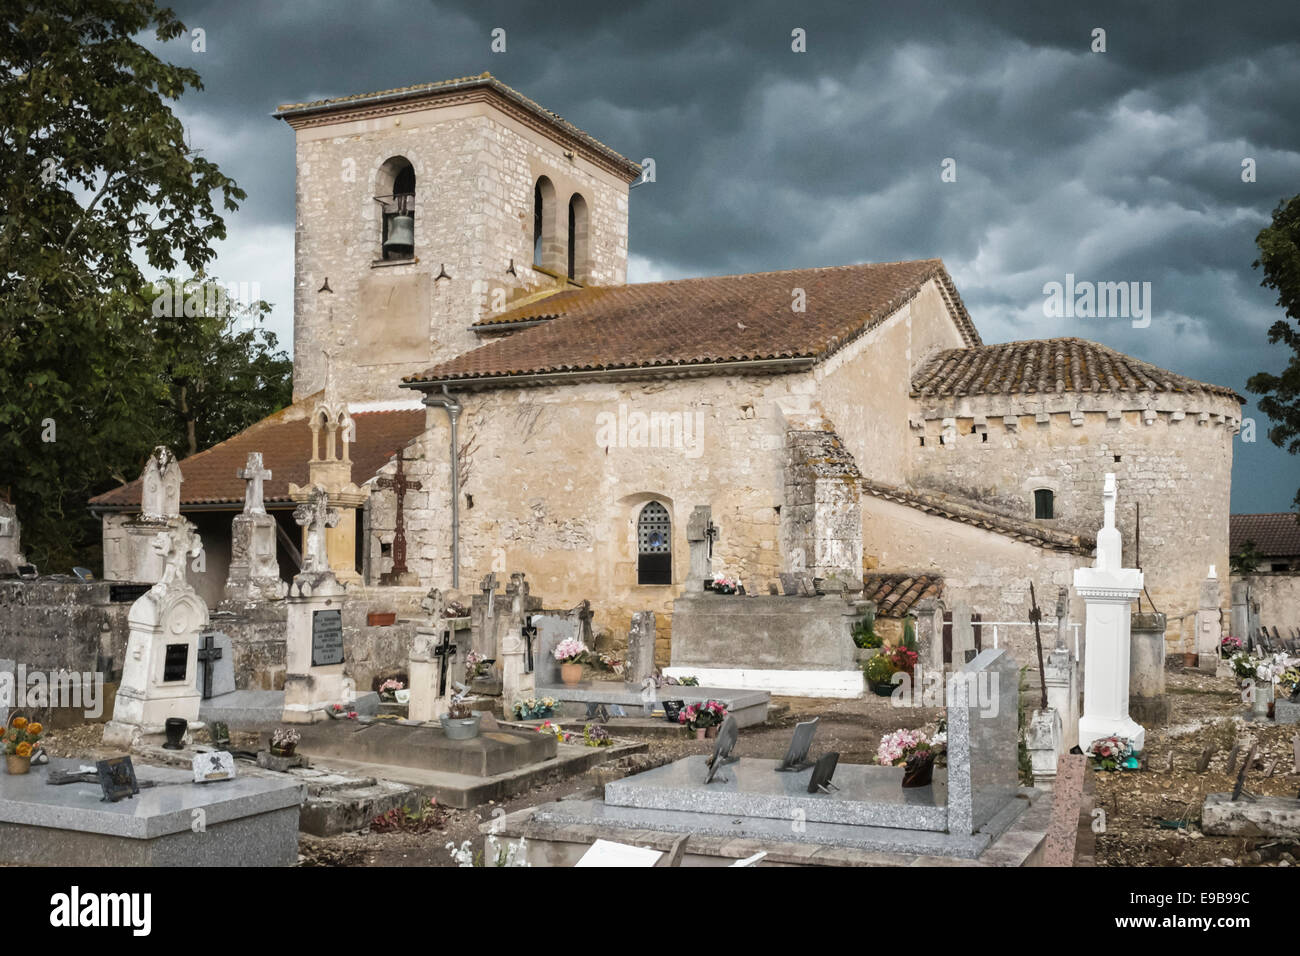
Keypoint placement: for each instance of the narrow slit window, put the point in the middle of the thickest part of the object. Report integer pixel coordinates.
(1044, 503)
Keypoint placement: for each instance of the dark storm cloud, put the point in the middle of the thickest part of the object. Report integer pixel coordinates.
(1116, 166)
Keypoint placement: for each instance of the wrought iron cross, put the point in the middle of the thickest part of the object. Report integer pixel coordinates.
(208, 655)
(711, 534)
(443, 653)
(400, 485)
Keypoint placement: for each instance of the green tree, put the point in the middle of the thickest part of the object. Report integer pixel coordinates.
(1279, 257)
(94, 172)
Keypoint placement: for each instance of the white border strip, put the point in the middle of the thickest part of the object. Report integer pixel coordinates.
(787, 683)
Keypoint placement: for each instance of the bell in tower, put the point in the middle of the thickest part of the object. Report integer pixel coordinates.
(399, 216)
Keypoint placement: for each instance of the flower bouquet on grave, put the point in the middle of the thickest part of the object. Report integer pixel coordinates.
(725, 585)
(1112, 753)
(703, 718)
(879, 671)
(388, 690)
(476, 665)
(915, 752)
(687, 681)
(1244, 665)
(20, 740)
(1229, 646)
(530, 708)
(454, 609)
(560, 734)
(609, 662)
(594, 735)
(284, 741)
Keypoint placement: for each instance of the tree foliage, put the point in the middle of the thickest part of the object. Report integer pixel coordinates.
(95, 174)
(1279, 258)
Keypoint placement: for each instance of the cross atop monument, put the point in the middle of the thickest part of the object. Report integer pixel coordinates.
(1109, 543)
(315, 515)
(254, 474)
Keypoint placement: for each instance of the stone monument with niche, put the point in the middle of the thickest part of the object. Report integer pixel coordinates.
(129, 547)
(1108, 589)
(254, 571)
(158, 677)
(314, 650)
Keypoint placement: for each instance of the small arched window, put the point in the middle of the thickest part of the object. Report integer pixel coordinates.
(1044, 503)
(654, 560)
(546, 252)
(396, 198)
(578, 226)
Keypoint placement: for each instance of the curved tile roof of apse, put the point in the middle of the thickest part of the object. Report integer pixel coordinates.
(284, 439)
(443, 89)
(718, 320)
(1048, 365)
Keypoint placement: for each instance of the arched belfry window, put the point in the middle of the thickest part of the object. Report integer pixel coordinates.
(1044, 503)
(396, 197)
(654, 533)
(578, 226)
(546, 247)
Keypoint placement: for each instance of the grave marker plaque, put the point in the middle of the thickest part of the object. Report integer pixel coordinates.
(175, 663)
(117, 778)
(823, 771)
(796, 758)
(326, 638)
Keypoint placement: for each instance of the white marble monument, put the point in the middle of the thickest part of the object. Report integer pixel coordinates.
(1108, 591)
(254, 574)
(161, 652)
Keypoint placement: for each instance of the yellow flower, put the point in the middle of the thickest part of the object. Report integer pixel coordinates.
(20, 722)
(34, 729)
(24, 750)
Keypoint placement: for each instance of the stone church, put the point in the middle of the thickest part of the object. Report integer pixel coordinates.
(460, 290)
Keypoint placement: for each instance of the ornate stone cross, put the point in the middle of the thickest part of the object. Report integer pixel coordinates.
(400, 486)
(254, 474)
(316, 515)
(176, 545)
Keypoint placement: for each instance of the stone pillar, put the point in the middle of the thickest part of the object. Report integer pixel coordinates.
(1061, 678)
(1239, 624)
(1209, 631)
(1147, 703)
(700, 534)
(929, 634)
(158, 676)
(1108, 591)
(640, 648)
(1043, 739)
(516, 681)
(314, 650)
(483, 618)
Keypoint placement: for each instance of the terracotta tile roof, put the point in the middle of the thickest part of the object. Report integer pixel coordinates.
(972, 513)
(1047, 365)
(285, 443)
(707, 321)
(1276, 535)
(895, 594)
(456, 85)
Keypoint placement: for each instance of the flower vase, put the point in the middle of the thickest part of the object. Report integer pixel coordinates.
(919, 769)
(711, 732)
(700, 733)
(571, 674)
(16, 764)
(1263, 697)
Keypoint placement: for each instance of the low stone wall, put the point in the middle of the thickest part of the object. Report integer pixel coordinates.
(1278, 597)
(53, 623)
(764, 631)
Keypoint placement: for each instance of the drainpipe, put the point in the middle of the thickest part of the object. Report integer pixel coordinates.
(453, 409)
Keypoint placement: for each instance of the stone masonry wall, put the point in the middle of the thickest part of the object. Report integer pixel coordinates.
(475, 168)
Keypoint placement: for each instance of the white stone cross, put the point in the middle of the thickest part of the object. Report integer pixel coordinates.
(1109, 543)
(254, 474)
(316, 515)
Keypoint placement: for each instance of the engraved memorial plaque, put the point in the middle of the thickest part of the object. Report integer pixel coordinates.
(175, 663)
(326, 638)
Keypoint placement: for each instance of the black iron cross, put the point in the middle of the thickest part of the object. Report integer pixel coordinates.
(208, 656)
(529, 632)
(443, 653)
(711, 533)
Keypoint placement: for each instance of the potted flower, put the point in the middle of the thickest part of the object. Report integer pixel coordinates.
(594, 735)
(571, 654)
(1229, 646)
(725, 585)
(559, 733)
(460, 722)
(20, 739)
(284, 741)
(914, 751)
(703, 718)
(879, 671)
(1111, 753)
(388, 690)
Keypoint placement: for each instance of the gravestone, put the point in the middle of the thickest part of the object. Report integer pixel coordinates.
(314, 650)
(215, 671)
(1108, 589)
(700, 535)
(213, 766)
(517, 681)
(963, 634)
(254, 573)
(159, 674)
(823, 771)
(1209, 630)
(983, 722)
(551, 632)
(1067, 802)
(11, 557)
(796, 756)
(724, 743)
(640, 648)
(433, 654)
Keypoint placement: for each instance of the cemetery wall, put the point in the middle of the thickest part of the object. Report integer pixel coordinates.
(1278, 596)
(1170, 453)
(51, 624)
(257, 638)
(988, 571)
(475, 169)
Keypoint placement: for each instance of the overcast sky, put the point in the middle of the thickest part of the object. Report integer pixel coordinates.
(1123, 165)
